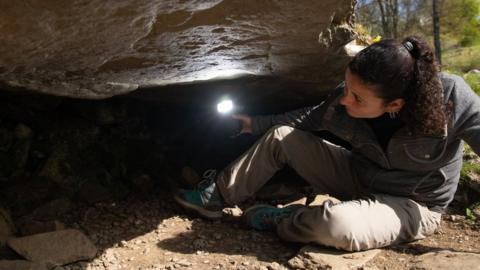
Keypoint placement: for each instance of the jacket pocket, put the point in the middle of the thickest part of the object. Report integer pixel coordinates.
(425, 150)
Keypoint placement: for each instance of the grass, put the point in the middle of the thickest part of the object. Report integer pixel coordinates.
(462, 61)
(470, 173)
(471, 166)
(473, 80)
(469, 170)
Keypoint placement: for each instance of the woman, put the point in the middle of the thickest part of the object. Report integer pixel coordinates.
(405, 122)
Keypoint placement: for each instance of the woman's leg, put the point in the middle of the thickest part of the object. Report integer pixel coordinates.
(324, 165)
(360, 224)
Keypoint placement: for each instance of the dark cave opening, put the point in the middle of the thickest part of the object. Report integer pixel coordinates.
(99, 150)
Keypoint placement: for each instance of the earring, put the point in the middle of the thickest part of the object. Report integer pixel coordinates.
(393, 115)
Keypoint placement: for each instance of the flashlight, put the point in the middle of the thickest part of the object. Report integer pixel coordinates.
(232, 126)
(225, 106)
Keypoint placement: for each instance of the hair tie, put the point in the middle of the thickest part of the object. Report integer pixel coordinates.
(408, 45)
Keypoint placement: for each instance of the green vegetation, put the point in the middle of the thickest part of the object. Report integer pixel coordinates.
(474, 81)
(472, 213)
(470, 173)
(469, 214)
(471, 165)
(469, 170)
(471, 31)
(462, 59)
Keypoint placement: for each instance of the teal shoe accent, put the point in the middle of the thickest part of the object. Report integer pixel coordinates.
(205, 199)
(265, 217)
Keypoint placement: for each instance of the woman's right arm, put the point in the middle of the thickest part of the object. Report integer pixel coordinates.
(307, 118)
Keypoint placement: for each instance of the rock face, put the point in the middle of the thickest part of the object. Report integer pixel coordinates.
(21, 265)
(36, 227)
(7, 230)
(55, 248)
(315, 257)
(447, 260)
(102, 48)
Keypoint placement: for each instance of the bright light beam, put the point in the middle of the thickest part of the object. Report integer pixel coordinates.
(225, 106)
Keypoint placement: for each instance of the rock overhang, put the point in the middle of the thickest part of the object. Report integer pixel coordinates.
(98, 49)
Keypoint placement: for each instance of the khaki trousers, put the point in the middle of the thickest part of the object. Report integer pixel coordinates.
(354, 224)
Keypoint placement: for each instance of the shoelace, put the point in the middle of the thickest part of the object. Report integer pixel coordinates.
(208, 178)
(275, 216)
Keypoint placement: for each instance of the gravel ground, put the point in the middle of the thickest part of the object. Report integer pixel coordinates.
(140, 233)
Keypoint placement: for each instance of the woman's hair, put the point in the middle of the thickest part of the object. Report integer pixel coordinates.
(405, 70)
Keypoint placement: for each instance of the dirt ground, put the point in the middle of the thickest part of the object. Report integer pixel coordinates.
(155, 233)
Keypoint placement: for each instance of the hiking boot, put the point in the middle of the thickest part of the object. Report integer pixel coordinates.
(264, 217)
(204, 199)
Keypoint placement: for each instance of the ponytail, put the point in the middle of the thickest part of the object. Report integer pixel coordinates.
(424, 102)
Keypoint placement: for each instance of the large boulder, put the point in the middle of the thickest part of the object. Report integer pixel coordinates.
(21, 265)
(7, 229)
(446, 259)
(102, 48)
(315, 257)
(55, 248)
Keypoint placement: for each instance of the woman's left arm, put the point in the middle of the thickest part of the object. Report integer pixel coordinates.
(466, 112)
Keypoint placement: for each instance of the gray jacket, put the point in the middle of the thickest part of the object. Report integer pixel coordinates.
(426, 169)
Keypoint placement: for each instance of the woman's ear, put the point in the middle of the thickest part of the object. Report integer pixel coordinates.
(395, 105)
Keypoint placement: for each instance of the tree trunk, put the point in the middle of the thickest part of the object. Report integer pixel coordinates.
(389, 16)
(395, 18)
(436, 32)
(384, 18)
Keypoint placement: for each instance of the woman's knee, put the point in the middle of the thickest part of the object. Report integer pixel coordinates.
(280, 131)
(337, 225)
(343, 229)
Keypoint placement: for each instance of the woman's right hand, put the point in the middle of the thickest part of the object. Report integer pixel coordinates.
(246, 122)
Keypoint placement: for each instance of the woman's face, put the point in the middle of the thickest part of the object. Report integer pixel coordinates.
(360, 100)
